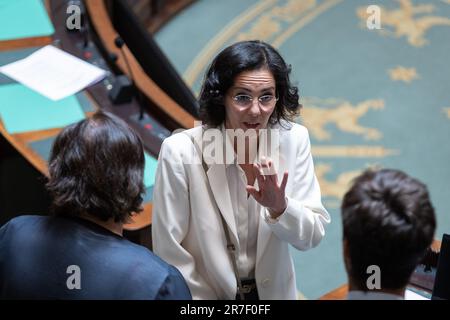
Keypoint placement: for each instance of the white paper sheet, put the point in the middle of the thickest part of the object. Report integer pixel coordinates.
(411, 295)
(53, 73)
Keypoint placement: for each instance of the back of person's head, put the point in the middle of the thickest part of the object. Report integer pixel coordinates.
(388, 221)
(235, 59)
(96, 168)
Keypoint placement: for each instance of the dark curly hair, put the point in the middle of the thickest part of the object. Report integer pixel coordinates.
(245, 56)
(388, 221)
(96, 167)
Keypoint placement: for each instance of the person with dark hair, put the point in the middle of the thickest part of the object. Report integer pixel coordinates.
(388, 225)
(224, 210)
(96, 181)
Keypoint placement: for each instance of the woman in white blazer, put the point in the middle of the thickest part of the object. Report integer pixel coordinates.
(226, 222)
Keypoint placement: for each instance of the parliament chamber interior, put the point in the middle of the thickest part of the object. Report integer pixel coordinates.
(371, 97)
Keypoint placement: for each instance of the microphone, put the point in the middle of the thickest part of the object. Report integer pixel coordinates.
(112, 57)
(119, 43)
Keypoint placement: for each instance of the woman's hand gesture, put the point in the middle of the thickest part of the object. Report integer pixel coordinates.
(270, 194)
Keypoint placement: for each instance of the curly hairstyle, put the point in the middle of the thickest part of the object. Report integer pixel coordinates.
(388, 221)
(96, 167)
(245, 56)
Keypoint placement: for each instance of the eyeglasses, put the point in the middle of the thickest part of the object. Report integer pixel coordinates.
(245, 100)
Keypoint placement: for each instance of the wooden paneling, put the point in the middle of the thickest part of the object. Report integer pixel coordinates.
(147, 86)
(24, 43)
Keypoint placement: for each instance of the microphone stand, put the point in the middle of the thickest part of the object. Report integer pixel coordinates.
(119, 44)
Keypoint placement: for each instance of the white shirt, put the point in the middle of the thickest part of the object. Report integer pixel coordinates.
(246, 214)
(372, 295)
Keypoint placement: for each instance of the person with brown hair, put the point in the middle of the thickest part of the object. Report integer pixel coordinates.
(96, 181)
(388, 224)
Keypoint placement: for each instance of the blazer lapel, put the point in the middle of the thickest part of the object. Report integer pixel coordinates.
(218, 182)
(219, 187)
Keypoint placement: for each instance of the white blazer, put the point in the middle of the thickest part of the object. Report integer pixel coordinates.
(187, 230)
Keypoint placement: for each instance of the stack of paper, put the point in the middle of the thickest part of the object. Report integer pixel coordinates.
(53, 73)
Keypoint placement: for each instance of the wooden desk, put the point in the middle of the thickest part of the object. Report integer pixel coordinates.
(107, 34)
(24, 43)
(21, 141)
(14, 44)
(341, 292)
